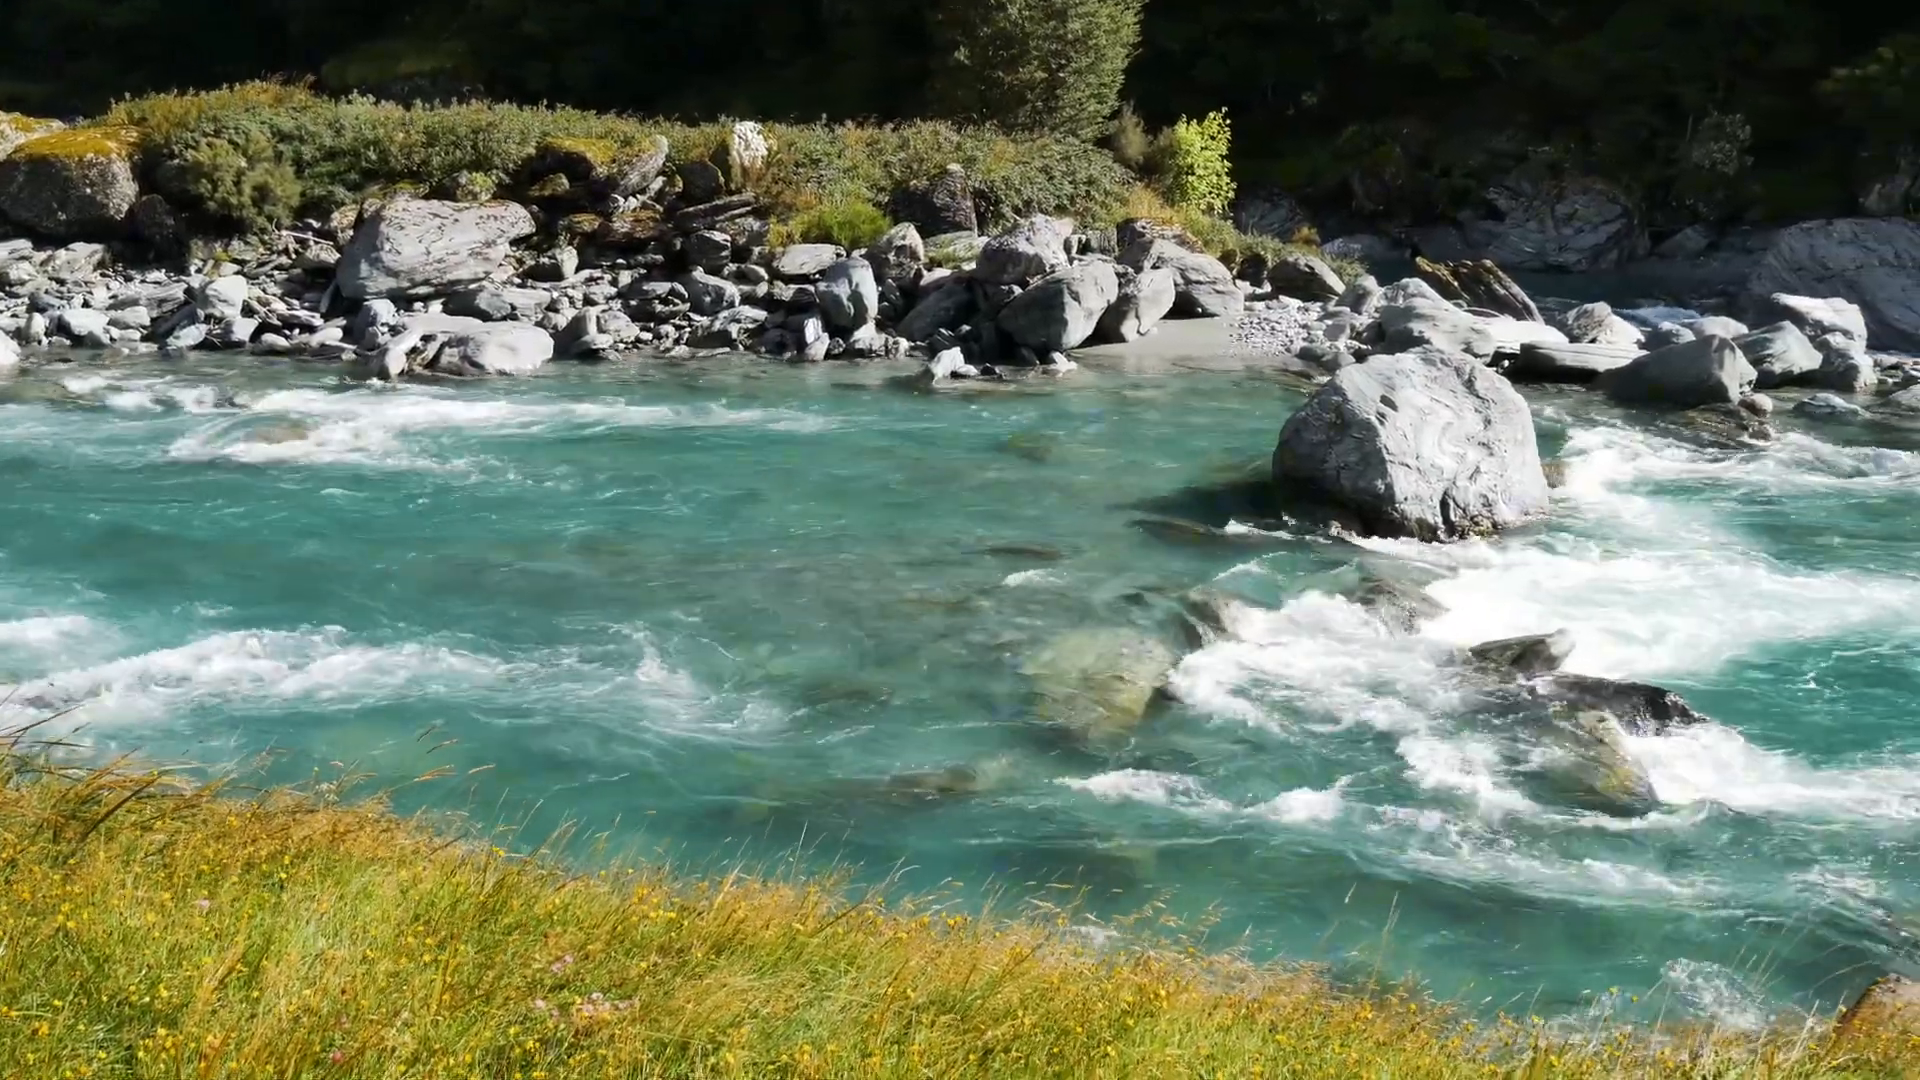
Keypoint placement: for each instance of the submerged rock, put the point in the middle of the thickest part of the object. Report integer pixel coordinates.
(1585, 759)
(1096, 684)
(1639, 708)
(1534, 654)
(1421, 444)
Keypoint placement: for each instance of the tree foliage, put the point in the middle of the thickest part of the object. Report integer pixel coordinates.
(1034, 65)
(1401, 107)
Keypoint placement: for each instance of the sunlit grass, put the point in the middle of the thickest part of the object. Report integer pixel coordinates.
(150, 928)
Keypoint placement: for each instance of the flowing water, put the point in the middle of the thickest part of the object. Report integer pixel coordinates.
(713, 606)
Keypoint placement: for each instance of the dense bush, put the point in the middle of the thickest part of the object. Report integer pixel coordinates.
(255, 153)
(1034, 65)
(1198, 171)
(850, 223)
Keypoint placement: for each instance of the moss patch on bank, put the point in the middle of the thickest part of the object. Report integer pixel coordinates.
(158, 930)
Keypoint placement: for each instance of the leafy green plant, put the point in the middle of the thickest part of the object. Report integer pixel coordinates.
(1199, 169)
(848, 222)
(236, 173)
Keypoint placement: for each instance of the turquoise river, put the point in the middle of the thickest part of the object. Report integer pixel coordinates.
(711, 606)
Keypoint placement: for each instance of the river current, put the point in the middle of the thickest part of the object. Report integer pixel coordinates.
(710, 607)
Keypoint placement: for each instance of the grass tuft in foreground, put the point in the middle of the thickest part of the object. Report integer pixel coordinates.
(149, 929)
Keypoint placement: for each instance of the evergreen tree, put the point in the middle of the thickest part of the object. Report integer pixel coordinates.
(1034, 65)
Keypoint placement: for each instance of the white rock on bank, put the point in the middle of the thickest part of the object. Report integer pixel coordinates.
(421, 247)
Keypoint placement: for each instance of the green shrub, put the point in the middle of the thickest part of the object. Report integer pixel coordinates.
(235, 172)
(1199, 171)
(341, 148)
(1129, 141)
(850, 223)
(1034, 65)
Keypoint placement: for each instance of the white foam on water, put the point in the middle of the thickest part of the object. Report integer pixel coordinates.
(1709, 763)
(43, 631)
(369, 425)
(1323, 663)
(1304, 806)
(1151, 788)
(319, 666)
(1435, 843)
(1600, 459)
(675, 701)
(1727, 997)
(1031, 577)
(145, 395)
(1678, 596)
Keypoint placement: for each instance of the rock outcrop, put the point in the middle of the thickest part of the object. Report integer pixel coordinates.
(1871, 262)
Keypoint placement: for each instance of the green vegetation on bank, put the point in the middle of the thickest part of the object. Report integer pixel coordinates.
(152, 929)
(1405, 109)
(260, 155)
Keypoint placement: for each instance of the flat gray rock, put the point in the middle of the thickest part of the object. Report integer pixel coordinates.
(424, 247)
(1705, 371)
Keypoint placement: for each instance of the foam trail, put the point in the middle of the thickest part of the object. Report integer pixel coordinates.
(248, 665)
(370, 426)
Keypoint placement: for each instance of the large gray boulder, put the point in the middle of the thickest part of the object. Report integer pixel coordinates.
(1144, 300)
(1872, 262)
(1781, 356)
(1816, 317)
(1704, 371)
(1550, 362)
(1032, 249)
(1845, 366)
(707, 294)
(1421, 323)
(1304, 277)
(1422, 444)
(899, 254)
(944, 308)
(1061, 310)
(9, 353)
(848, 295)
(1203, 286)
(71, 185)
(423, 247)
(1572, 224)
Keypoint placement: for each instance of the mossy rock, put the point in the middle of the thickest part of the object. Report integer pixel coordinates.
(82, 142)
(581, 161)
(576, 227)
(555, 186)
(467, 187)
(16, 128)
(597, 166)
(633, 229)
(76, 184)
